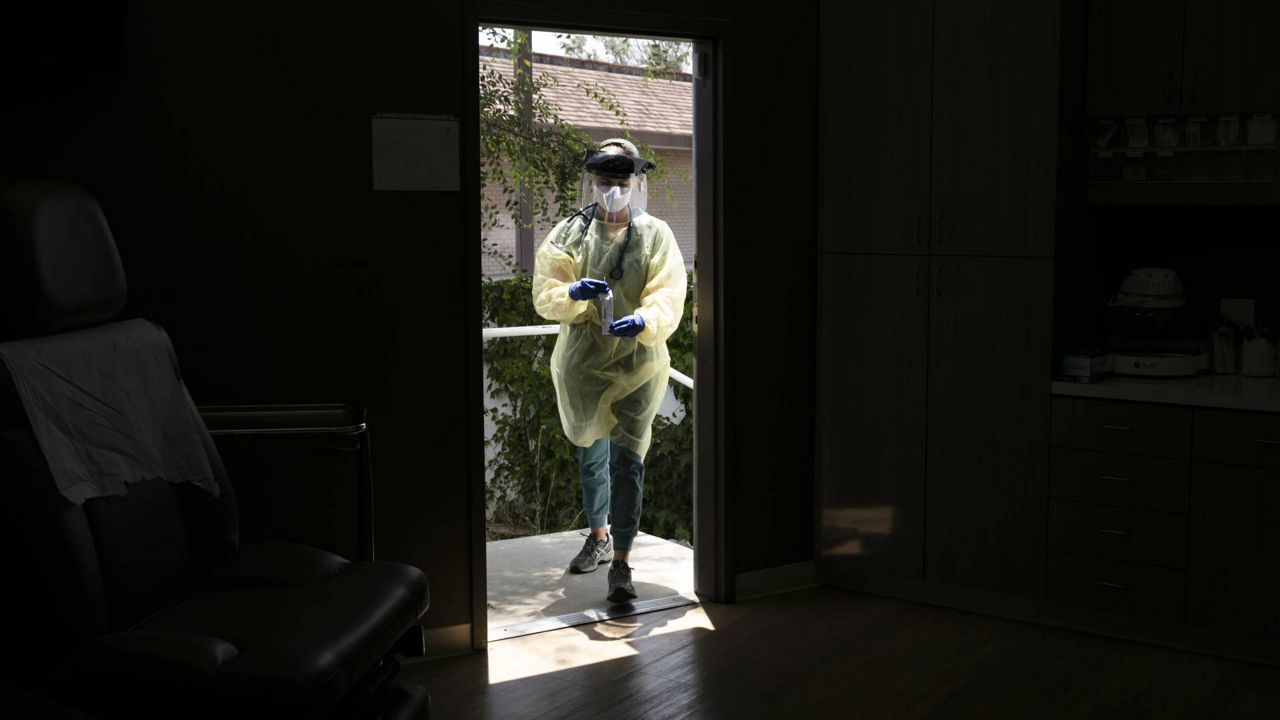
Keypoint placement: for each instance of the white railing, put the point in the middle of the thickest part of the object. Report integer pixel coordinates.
(520, 331)
(680, 377)
(526, 330)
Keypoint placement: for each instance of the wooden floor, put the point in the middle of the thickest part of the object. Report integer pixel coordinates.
(831, 653)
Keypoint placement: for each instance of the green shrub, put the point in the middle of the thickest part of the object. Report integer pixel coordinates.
(535, 487)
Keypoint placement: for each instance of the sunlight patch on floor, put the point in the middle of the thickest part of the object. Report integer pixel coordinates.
(583, 645)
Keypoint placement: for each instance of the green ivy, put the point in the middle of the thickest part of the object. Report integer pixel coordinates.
(535, 487)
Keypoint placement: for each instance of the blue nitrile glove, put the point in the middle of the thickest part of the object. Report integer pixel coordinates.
(629, 326)
(586, 289)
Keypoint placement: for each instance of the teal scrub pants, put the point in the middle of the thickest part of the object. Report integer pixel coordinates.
(612, 486)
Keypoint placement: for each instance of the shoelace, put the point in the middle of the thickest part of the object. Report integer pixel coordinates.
(593, 545)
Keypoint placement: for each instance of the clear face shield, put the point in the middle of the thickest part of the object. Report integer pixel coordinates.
(615, 181)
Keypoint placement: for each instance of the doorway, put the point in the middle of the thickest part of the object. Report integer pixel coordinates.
(521, 582)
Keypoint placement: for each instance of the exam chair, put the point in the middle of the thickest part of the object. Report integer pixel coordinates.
(146, 604)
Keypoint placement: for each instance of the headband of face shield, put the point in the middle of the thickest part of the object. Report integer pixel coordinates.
(613, 164)
(615, 180)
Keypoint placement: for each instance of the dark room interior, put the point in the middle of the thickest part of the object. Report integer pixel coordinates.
(992, 422)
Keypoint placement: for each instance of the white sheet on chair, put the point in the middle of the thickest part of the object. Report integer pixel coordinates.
(108, 408)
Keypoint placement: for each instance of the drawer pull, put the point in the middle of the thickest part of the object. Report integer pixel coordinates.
(1112, 585)
(1264, 441)
(1120, 428)
(1113, 478)
(1107, 531)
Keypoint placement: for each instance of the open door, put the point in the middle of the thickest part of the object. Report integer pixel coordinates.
(711, 580)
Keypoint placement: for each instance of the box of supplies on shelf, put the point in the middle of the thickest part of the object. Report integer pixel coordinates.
(1083, 366)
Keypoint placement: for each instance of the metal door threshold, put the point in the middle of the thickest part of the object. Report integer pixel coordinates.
(587, 617)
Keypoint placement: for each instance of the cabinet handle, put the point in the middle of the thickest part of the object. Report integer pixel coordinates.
(917, 235)
(1113, 478)
(1112, 585)
(1264, 441)
(1119, 428)
(937, 228)
(1108, 531)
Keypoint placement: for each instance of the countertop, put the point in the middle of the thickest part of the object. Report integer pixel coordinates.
(1231, 392)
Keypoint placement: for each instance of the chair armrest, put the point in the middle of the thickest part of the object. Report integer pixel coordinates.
(331, 418)
(245, 432)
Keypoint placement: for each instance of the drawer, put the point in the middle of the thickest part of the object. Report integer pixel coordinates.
(1139, 536)
(1237, 438)
(1129, 589)
(1122, 427)
(1131, 481)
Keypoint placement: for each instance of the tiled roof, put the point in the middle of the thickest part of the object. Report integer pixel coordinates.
(655, 105)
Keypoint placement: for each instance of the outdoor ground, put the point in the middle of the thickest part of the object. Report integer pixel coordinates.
(529, 577)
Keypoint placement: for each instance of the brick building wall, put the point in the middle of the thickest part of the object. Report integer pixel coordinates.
(678, 209)
(501, 238)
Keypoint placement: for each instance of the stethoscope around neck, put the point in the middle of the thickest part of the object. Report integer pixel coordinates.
(589, 212)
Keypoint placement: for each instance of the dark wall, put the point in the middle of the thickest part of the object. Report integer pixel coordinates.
(770, 266)
(230, 151)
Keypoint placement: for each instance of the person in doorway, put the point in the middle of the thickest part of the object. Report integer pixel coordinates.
(613, 277)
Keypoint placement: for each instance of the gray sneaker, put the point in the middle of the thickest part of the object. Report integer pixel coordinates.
(593, 553)
(620, 588)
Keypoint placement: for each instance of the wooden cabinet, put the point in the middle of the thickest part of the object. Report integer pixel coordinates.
(995, 101)
(1170, 62)
(871, 411)
(1118, 533)
(1238, 438)
(1232, 58)
(1127, 481)
(1167, 57)
(938, 134)
(1122, 427)
(1122, 588)
(1152, 503)
(1135, 57)
(875, 107)
(937, 178)
(1234, 543)
(988, 422)
(1118, 527)
(1235, 523)
(984, 435)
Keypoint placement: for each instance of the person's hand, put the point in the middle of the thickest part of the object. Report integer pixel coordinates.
(587, 289)
(629, 326)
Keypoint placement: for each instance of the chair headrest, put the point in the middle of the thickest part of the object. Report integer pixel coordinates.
(59, 268)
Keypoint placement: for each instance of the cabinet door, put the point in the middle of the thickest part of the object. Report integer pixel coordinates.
(1135, 57)
(871, 410)
(995, 95)
(1232, 60)
(874, 90)
(988, 423)
(1233, 544)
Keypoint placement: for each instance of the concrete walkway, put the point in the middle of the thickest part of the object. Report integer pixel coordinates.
(529, 577)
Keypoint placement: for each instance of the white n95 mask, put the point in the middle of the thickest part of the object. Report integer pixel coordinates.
(613, 198)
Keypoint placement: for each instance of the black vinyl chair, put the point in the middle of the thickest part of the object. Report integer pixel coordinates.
(145, 604)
